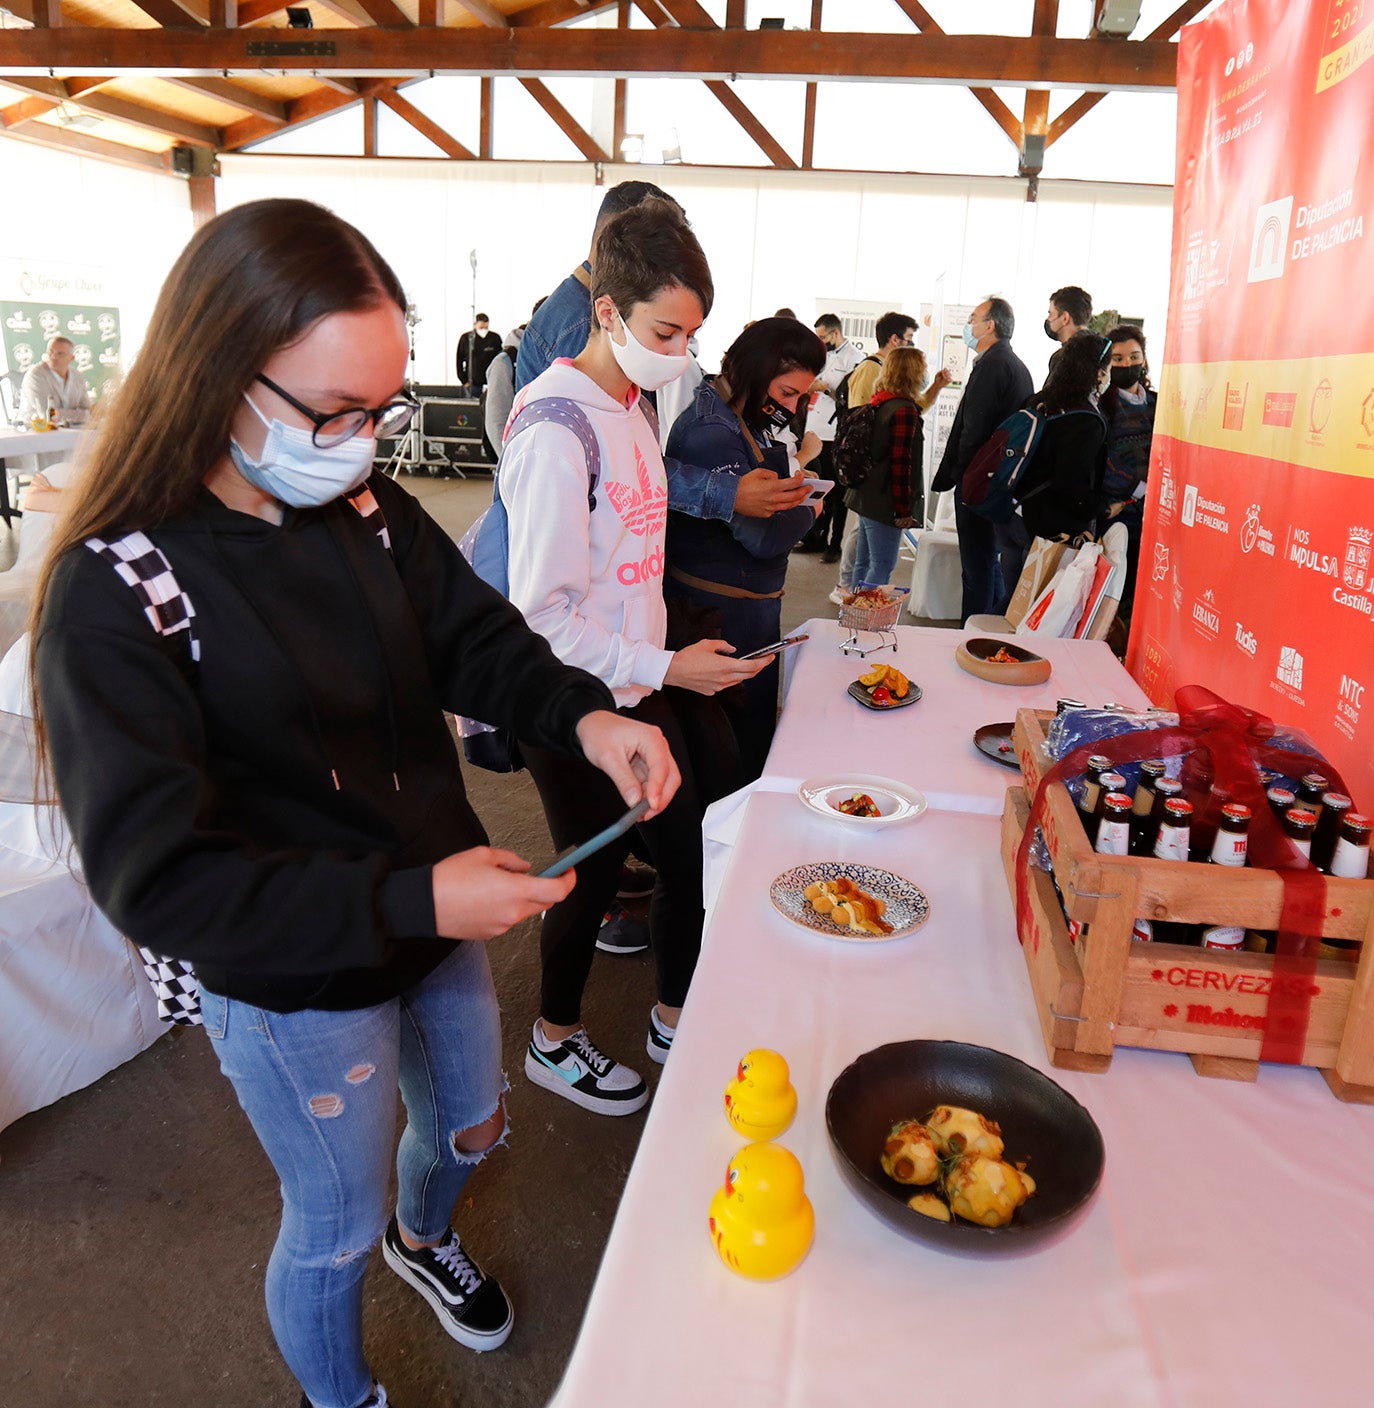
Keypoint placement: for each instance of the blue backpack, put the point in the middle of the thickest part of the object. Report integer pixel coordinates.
(996, 478)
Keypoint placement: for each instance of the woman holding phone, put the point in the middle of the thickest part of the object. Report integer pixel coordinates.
(586, 568)
(737, 568)
(245, 642)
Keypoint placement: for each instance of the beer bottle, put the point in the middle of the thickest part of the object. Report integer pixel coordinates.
(1143, 825)
(1350, 858)
(1298, 825)
(1311, 787)
(1280, 799)
(1335, 807)
(1087, 801)
(1114, 828)
(1232, 842)
(1230, 848)
(52, 414)
(1171, 843)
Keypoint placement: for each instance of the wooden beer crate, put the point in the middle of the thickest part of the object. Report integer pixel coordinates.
(1109, 990)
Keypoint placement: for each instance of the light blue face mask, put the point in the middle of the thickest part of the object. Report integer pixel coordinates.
(969, 339)
(296, 471)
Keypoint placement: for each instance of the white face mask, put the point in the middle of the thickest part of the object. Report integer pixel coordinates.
(296, 471)
(645, 368)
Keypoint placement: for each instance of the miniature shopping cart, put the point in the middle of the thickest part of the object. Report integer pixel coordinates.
(873, 617)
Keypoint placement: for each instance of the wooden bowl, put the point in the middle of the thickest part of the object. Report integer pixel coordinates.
(1027, 668)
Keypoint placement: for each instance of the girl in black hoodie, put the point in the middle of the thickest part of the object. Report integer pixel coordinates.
(244, 647)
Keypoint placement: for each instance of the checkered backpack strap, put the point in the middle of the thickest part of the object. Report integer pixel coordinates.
(365, 502)
(170, 613)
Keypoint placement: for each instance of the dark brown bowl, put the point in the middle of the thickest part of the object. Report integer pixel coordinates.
(1043, 1125)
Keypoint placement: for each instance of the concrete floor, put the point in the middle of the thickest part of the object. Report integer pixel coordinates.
(136, 1216)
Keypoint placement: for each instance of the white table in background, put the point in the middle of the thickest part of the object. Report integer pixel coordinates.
(929, 744)
(29, 442)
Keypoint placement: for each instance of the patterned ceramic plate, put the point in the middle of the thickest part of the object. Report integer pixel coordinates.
(895, 801)
(907, 907)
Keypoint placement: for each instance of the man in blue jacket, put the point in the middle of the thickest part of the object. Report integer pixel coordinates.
(560, 328)
(998, 384)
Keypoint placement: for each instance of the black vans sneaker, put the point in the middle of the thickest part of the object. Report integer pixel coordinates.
(575, 1069)
(376, 1399)
(471, 1306)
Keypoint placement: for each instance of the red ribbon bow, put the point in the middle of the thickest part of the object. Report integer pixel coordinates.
(1224, 746)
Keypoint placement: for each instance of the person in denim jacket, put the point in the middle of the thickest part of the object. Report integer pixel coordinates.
(737, 568)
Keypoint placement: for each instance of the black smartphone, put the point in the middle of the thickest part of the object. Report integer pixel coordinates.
(785, 644)
(575, 855)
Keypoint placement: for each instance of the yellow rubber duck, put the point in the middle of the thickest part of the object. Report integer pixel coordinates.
(761, 1220)
(760, 1100)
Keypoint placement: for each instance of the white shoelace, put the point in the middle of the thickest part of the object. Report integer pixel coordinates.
(454, 1259)
(597, 1060)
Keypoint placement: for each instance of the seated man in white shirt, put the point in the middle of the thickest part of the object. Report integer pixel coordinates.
(55, 382)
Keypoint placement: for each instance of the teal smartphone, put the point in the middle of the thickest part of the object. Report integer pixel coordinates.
(575, 855)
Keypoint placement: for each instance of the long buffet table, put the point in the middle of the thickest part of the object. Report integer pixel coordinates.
(1223, 1260)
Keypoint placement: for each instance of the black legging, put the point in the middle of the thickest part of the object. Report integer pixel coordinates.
(580, 800)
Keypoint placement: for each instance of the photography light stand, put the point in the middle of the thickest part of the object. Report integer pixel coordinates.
(412, 451)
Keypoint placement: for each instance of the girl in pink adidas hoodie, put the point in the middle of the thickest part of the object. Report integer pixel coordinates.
(586, 569)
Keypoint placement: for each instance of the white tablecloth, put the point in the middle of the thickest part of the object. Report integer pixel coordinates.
(32, 442)
(929, 744)
(1223, 1261)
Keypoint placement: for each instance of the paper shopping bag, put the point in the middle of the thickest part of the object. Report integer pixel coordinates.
(1042, 562)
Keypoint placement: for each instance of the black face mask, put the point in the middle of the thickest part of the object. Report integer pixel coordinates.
(1128, 376)
(775, 417)
(1049, 331)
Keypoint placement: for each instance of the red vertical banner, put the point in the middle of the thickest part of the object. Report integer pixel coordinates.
(1256, 574)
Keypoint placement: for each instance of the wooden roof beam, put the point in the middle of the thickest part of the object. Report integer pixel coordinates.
(1031, 149)
(332, 96)
(1081, 107)
(387, 14)
(169, 14)
(120, 110)
(995, 108)
(485, 13)
(689, 13)
(82, 144)
(567, 124)
(425, 126)
(245, 100)
(1032, 62)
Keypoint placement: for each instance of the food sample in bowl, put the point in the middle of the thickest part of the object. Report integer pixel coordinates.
(930, 1205)
(957, 1131)
(885, 684)
(986, 1191)
(842, 902)
(910, 1156)
(870, 596)
(1003, 657)
(860, 804)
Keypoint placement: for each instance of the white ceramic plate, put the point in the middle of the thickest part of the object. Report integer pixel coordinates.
(907, 906)
(895, 800)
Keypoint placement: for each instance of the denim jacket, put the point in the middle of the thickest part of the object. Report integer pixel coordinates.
(560, 329)
(741, 552)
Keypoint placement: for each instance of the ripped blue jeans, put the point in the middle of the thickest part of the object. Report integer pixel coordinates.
(320, 1090)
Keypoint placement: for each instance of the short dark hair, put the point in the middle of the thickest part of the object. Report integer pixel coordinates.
(786, 313)
(648, 248)
(764, 350)
(830, 322)
(1073, 378)
(481, 318)
(626, 196)
(1076, 302)
(1000, 315)
(892, 325)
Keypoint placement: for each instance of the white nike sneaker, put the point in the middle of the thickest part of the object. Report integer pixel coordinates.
(575, 1069)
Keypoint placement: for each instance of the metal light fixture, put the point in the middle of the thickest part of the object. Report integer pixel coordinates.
(298, 17)
(632, 146)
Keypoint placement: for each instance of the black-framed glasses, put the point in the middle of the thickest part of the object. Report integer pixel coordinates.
(388, 421)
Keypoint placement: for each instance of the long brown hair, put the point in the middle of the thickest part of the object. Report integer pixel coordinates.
(250, 282)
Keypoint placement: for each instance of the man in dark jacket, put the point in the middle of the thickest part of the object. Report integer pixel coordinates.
(997, 385)
(477, 349)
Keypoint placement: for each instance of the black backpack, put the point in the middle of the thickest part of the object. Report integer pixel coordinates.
(853, 451)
